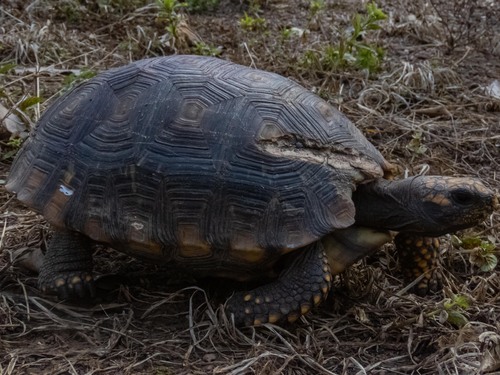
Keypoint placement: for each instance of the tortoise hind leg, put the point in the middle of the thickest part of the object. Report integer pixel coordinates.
(67, 267)
(303, 284)
(419, 255)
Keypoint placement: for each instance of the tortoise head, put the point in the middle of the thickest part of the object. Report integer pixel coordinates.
(430, 205)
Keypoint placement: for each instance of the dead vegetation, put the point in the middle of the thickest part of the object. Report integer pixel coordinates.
(432, 107)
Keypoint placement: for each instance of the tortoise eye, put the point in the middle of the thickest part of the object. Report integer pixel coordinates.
(463, 197)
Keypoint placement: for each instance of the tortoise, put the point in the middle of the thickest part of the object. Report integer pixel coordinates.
(227, 171)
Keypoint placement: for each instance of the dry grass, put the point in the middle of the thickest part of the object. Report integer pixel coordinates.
(428, 109)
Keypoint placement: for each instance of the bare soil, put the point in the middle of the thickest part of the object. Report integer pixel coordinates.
(429, 109)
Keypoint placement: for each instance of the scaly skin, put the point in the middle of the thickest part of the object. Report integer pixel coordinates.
(67, 267)
(305, 283)
(419, 255)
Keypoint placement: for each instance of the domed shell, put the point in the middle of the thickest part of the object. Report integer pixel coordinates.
(187, 156)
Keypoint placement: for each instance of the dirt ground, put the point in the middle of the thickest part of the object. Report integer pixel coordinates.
(433, 107)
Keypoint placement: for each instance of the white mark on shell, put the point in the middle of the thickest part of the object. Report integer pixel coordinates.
(66, 190)
(137, 226)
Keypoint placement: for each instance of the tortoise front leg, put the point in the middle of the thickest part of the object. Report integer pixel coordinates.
(419, 255)
(303, 284)
(67, 266)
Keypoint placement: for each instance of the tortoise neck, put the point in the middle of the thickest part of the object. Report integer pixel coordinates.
(386, 205)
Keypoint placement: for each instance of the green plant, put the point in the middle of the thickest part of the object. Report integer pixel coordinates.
(352, 50)
(12, 145)
(286, 33)
(250, 23)
(453, 310)
(481, 252)
(199, 6)
(13, 113)
(73, 79)
(254, 6)
(7, 67)
(204, 49)
(315, 6)
(15, 142)
(4, 69)
(416, 145)
(69, 10)
(30, 101)
(171, 13)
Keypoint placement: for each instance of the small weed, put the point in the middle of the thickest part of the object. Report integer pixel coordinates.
(315, 7)
(74, 79)
(171, 13)
(70, 10)
(481, 252)
(13, 145)
(416, 145)
(203, 49)
(311, 59)
(254, 6)
(13, 116)
(6, 68)
(351, 50)
(286, 33)
(29, 102)
(453, 310)
(200, 6)
(250, 23)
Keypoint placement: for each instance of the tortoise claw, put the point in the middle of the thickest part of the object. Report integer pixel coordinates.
(431, 283)
(71, 286)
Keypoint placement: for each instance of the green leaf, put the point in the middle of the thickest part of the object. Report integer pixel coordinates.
(380, 52)
(487, 246)
(5, 68)
(458, 301)
(29, 102)
(461, 301)
(367, 58)
(374, 12)
(373, 26)
(9, 154)
(470, 242)
(15, 142)
(357, 26)
(416, 144)
(84, 75)
(490, 263)
(457, 318)
(483, 256)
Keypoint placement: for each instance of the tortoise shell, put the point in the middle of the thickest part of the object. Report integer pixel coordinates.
(195, 160)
